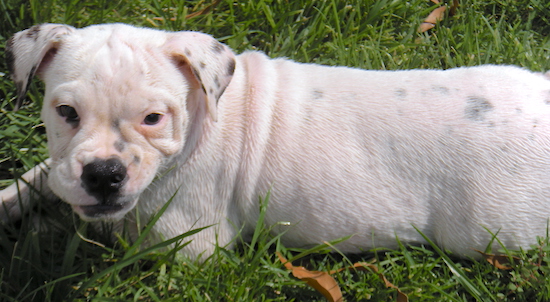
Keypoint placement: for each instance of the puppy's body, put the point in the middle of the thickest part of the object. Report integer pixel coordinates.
(344, 151)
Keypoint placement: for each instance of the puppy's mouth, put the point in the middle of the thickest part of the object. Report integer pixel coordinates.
(99, 211)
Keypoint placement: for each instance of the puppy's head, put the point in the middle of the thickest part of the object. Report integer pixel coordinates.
(118, 105)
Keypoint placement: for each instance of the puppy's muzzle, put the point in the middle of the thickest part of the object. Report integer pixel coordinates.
(103, 179)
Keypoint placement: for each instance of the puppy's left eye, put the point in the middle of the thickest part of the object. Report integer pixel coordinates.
(152, 119)
(69, 113)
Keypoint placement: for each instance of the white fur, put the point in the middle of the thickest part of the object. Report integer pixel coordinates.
(344, 151)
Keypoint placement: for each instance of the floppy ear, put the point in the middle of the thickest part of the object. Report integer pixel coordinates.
(210, 63)
(27, 50)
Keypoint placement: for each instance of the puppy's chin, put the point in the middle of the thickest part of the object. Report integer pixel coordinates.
(104, 212)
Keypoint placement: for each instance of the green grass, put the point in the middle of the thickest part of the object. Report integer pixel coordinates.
(43, 257)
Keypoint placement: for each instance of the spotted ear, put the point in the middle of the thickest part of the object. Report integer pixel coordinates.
(208, 61)
(28, 50)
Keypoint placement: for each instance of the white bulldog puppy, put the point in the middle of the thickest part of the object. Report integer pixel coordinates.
(136, 115)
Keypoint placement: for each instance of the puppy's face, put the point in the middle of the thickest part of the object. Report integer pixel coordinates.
(118, 104)
(113, 113)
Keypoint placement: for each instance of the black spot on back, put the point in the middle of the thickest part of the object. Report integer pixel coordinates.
(401, 93)
(477, 107)
(440, 89)
(317, 94)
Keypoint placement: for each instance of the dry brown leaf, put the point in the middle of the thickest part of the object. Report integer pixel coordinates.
(321, 281)
(327, 286)
(204, 11)
(437, 15)
(499, 261)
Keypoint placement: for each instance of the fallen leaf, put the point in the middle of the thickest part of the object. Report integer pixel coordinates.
(326, 285)
(321, 281)
(499, 261)
(437, 15)
(204, 11)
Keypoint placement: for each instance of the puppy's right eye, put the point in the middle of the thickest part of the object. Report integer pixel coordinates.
(69, 113)
(152, 119)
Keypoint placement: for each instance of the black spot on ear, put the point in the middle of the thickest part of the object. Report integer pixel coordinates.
(217, 81)
(10, 58)
(477, 107)
(33, 32)
(137, 159)
(231, 67)
(120, 145)
(217, 47)
(211, 90)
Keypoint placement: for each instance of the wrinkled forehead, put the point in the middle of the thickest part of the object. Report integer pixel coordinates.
(114, 64)
(106, 55)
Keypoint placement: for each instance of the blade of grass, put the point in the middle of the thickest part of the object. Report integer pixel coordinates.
(459, 273)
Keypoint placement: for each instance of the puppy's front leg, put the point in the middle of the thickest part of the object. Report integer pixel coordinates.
(15, 199)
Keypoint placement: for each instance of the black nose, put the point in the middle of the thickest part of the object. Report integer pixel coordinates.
(103, 179)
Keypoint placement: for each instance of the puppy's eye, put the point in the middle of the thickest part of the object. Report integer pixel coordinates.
(152, 119)
(69, 113)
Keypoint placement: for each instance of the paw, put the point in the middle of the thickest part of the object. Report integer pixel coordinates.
(16, 199)
(10, 207)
